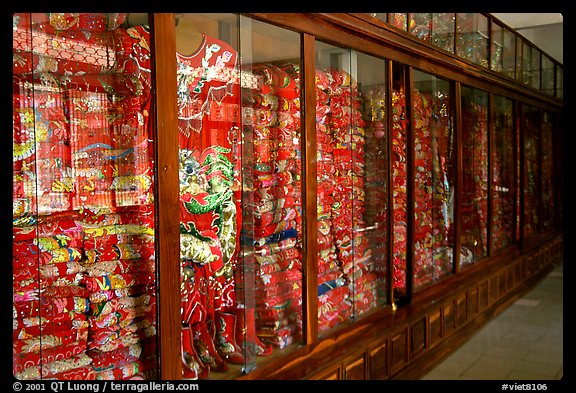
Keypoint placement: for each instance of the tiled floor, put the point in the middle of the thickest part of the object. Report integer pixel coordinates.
(524, 342)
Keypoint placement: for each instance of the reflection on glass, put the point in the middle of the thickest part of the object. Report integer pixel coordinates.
(379, 15)
(472, 37)
(272, 203)
(531, 142)
(547, 75)
(509, 53)
(419, 25)
(527, 63)
(474, 238)
(399, 178)
(547, 170)
(503, 179)
(433, 180)
(370, 267)
(442, 34)
(519, 61)
(535, 70)
(84, 290)
(497, 49)
(559, 82)
(351, 273)
(398, 20)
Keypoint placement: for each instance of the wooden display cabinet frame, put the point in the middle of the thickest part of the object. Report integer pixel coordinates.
(390, 342)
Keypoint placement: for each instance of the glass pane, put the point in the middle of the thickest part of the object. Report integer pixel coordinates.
(370, 243)
(547, 75)
(509, 54)
(519, 56)
(472, 37)
(350, 113)
(335, 100)
(526, 64)
(559, 82)
(503, 179)
(548, 197)
(272, 187)
(419, 25)
(497, 49)
(531, 142)
(474, 238)
(84, 289)
(398, 20)
(535, 77)
(399, 176)
(442, 34)
(434, 178)
(380, 15)
(210, 162)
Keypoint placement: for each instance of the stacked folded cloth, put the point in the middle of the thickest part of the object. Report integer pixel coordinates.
(475, 182)
(120, 278)
(432, 256)
(399, 200)
(50, 328)
(348, 225)
(423, 186)
(277, 211)
(334, 304)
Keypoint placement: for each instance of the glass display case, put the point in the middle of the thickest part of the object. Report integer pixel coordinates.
(228, 191)
(442, 30)
(535, 66)
(272, 229)
(531, 170)
(474, 193)
(472, 37)
(351, 136)
(503, 184)
(420, 25)
(547, 169)
(434, 179)
(84, 290)
(398, 20)
(548, 71)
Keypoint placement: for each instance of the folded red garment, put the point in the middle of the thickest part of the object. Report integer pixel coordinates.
(273, 248)
(50, 285)
(130, 370)
(120, 251)
(59, 255)
(124, 341)
(122, 356)
(122, 317)
(50, 307)
(37, 326)
(38, 343)
(53, 270)
(278, 299)
(104, 335)
(97, 242)
(278, 257)
(267, 194)
(52, 369)
(121, 266)
(22, 361)
(113, 305)
(105, 295)
(279, 277)
(82, 373)
(117, 281)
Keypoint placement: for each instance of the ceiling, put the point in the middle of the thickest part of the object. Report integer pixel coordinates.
(543, 29)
